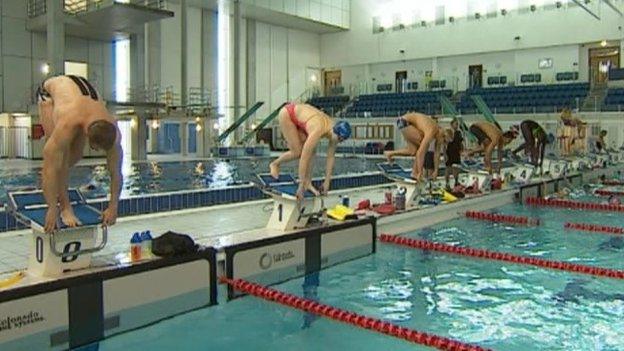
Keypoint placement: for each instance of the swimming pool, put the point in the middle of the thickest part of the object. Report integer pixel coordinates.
(157, 177)
(496, 305)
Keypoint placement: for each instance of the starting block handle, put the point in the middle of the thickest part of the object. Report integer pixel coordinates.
(79, 252)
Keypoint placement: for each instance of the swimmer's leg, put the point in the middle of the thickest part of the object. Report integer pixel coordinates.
(67, 213)
(293, 140)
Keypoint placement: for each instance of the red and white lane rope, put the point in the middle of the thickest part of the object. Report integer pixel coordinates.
(577, 205)
(501, 256)
(352, 318)
(500, 218)
(596, 228)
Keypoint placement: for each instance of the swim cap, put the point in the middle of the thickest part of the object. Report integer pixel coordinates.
(343, 130)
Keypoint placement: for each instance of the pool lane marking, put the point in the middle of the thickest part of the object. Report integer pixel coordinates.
(501, 256)
(575, 205)
(352, 318)
(594, 228)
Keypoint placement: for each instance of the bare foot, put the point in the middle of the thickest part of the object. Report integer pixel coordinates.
(69, 219)
(389, 157)
(274, 170)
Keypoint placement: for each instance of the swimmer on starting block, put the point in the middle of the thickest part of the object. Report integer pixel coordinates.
(73, 114)
(424, 139)
(303, 126)
(535, 141)
(489, 137)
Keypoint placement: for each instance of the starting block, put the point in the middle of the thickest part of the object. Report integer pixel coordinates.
(523, 173)
(66, 249)
(288, 213)
(404, 179)
(600, 161)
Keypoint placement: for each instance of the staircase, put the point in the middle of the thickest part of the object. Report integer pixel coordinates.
(596, 97)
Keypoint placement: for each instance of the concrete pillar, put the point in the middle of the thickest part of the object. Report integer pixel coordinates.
(139, 139)
(137, 68)
(236, 61)
(184, 138)
(55, 37)
(153, 133)
(184, 51)
(251, 69)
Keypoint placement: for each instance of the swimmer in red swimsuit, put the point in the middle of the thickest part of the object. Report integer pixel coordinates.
(303, 126)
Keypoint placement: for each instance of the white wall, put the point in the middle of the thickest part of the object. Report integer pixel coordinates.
(282, 56)
(454, 69)
(539, 29)
(23, 53)
(334, 12)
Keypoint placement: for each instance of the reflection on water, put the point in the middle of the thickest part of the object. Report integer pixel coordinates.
(156, 177)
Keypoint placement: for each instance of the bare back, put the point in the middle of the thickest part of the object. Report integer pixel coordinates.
(425, 124)
(313, 119)
(492, 131)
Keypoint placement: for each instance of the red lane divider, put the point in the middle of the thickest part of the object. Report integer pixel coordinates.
(577, 205)
(613, 182)
(493, 217)
(500, 256)
(608, 192)
(597, 228)
(352, 318)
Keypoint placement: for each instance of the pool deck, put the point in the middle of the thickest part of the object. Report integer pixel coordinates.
(224, 225)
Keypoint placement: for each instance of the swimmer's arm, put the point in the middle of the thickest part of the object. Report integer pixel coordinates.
(436, 157)
(329, 164)
(113, 161)
(307, 153)
(54, 153)
(487, 157)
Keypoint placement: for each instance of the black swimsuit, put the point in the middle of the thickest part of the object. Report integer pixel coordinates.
(85, 88)
(478, 133)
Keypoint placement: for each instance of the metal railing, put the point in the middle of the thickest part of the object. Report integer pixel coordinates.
(37, 8)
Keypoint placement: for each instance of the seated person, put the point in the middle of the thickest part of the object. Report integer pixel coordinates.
(303, 126)
(490, 137)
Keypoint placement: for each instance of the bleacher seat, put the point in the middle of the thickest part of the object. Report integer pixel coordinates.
(395, 104)
(539, 98)
(329, 104)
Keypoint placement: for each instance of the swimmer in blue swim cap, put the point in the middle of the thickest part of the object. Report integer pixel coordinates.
(303, 126)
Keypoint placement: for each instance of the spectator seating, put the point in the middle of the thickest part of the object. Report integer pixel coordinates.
(526, 99)
(329, 104)
(396, 104)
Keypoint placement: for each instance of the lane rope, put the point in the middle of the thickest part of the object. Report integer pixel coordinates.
(577, 205)
(596, 228)
(501, 256)
(352, 318)
(604, 192)
(500, 218)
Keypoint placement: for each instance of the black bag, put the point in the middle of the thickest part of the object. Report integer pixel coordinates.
(173, 244)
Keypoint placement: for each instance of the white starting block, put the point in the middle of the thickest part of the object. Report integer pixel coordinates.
(483, 179)
(404, 179)
(556, 169)
(522, 173)
(600, 161)
(66, 249)
(288, 213)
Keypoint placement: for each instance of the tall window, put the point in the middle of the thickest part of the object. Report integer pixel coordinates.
(122, 69)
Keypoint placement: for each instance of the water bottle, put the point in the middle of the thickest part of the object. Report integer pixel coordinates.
(345, 200)
(146, 244)
(135, 247)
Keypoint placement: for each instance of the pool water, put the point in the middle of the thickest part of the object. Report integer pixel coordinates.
(493, 304)
(157, 177)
